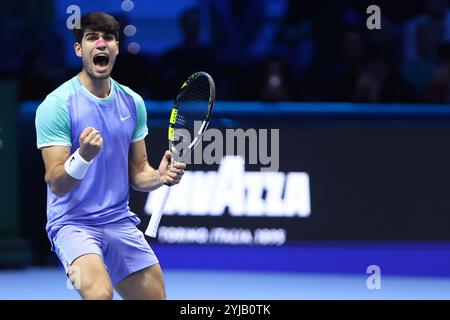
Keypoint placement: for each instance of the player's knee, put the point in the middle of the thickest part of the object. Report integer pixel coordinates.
(157, 288)
(99, 292)
(158, 293)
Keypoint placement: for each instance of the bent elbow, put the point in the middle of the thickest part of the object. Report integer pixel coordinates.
(56, 191)
(54, 187)
(136, 188)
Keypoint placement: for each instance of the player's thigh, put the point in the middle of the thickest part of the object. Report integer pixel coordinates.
(89, 276)
(147, 283)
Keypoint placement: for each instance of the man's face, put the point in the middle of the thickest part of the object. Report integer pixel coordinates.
(98, 52)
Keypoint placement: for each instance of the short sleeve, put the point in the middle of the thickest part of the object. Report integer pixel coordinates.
(141, 130)
(52, 123)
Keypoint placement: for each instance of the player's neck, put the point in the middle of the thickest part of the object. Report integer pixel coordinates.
(98, 87)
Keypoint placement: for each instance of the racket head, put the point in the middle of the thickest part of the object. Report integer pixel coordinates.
(191, 114)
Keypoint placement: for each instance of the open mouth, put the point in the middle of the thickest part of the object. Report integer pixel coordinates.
(101, 59)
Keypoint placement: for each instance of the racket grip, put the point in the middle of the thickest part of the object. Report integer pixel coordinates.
(155, 219)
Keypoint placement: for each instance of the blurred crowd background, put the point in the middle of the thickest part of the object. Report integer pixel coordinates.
(264, 50)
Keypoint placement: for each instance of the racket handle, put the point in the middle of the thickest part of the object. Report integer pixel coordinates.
(152, 227)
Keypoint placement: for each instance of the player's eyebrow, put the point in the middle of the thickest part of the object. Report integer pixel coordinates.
(98, 33)
(92, 33)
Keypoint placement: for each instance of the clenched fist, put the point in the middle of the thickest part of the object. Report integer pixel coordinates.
(171, 174)
(91, 143)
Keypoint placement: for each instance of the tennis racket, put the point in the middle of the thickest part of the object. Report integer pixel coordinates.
(188, 121)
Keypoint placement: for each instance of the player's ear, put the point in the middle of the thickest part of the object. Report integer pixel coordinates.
(77, 48)
(117, 52)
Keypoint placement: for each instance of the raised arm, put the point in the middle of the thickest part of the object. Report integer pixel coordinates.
(64, 171)
(55, 175)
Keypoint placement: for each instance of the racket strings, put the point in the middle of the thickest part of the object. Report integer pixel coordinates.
(200, 97)
(189, 120)
(198, 90)
(193, 105)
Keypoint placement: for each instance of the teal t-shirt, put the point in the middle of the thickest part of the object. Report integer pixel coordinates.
(121, 118)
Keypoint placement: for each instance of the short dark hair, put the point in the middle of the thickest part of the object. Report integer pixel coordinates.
(97, 21)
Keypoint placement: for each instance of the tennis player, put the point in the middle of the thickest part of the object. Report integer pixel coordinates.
(91, 132)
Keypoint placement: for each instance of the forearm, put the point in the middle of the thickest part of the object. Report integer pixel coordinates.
(148, 179)
(59, 181)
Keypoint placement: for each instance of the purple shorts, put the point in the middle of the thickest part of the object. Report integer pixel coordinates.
(121, 246)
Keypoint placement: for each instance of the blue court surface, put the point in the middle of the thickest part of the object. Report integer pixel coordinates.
(50, 284)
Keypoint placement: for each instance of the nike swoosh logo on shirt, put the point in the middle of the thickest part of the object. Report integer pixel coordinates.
(123, 119)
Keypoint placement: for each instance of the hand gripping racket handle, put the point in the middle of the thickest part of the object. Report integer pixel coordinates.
(152, 228)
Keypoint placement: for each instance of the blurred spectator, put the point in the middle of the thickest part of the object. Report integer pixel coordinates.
(274, 81)
(13, 28)
(419, 72)
(367, 74)
(32, 52)
(235, 26)
(191, 56)
(437, 17)
(353, 53)
(43, 69)
(134, 69)
(379, 82)
(294, 41)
